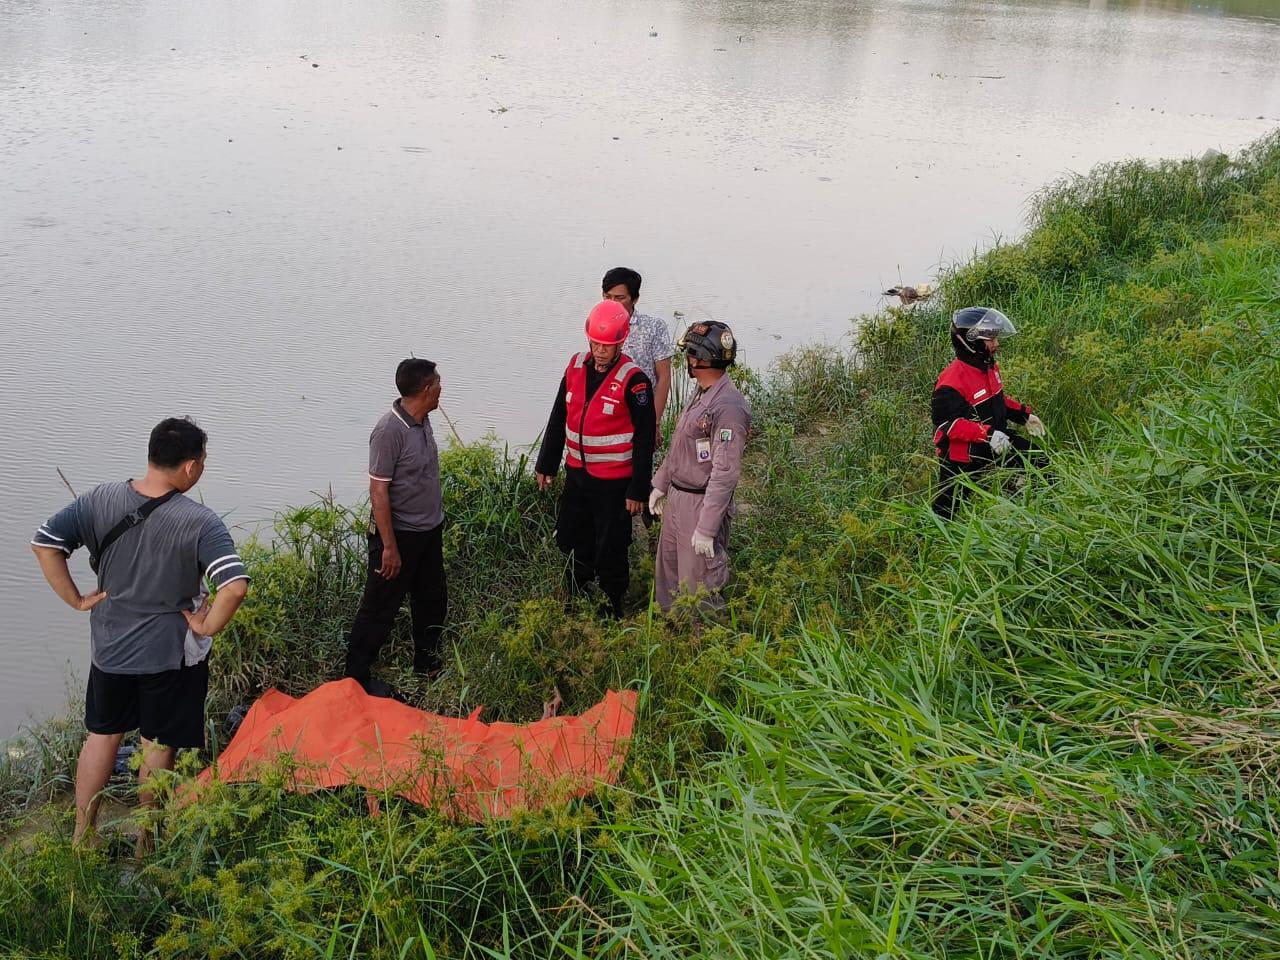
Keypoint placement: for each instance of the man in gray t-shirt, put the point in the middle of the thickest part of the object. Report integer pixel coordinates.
(406, 546)
(149, 624)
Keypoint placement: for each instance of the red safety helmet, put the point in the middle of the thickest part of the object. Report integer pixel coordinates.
(608, 322)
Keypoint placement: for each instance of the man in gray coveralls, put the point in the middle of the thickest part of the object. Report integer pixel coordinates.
(693, 489)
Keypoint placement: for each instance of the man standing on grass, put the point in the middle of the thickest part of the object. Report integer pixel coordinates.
(406, 546)
(693, 489)
(603, 413)
(648, 345)
(150, 627)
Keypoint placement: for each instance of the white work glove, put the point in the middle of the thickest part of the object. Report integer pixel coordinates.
(703, 545)
(656, 497)
(1035, 426)
(999, 441)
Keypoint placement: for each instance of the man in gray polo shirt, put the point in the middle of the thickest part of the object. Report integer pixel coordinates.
(149, 624)
(406, 546)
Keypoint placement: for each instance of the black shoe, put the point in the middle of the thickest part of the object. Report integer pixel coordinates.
(380, 688)
(234, 718)
(611, 608)
(428, 665)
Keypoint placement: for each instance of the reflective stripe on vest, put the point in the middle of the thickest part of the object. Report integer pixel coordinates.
(605, 441)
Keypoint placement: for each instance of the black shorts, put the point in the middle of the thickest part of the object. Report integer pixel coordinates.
(166, 707)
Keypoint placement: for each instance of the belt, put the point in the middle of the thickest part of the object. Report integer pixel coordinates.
(697, 490)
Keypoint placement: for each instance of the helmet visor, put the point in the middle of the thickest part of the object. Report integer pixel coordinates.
(989, 325)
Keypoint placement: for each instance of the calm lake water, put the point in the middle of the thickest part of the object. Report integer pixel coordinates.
(250, 211)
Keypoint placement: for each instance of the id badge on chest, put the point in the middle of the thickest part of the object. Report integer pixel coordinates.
(704, 450)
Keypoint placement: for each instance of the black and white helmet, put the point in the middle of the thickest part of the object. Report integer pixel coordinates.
(709, 340)
(981, 323)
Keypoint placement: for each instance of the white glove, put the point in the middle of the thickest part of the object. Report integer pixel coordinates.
(703, 545)
(1035, 426)
(656, 497)
(999, 441)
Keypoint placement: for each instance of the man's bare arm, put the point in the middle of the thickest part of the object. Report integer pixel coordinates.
(53, 564)
(380, 499)
(225, 604)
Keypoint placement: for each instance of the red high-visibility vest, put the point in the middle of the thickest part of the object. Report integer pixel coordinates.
(599, 433)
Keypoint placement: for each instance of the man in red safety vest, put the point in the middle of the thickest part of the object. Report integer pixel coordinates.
(970, 410)
(604, 425)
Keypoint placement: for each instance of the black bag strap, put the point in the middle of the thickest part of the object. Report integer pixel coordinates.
(127, 523)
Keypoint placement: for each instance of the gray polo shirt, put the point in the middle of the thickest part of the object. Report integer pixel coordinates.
(151, 574)
(403, 451)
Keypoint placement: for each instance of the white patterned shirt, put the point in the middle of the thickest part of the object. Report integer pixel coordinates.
(648, 342)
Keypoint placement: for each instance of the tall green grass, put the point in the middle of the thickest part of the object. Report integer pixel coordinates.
(1048, 728)
(1055, 736)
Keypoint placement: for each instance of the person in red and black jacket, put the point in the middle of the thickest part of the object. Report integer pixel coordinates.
(603, 414)
(971, 413)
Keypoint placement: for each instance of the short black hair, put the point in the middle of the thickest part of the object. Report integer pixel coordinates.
(622, 275)
(174, 441)
(413, 374)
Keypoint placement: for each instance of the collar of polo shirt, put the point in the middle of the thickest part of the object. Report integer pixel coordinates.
(403, 415)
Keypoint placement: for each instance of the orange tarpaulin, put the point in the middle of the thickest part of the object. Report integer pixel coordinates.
(338, 734)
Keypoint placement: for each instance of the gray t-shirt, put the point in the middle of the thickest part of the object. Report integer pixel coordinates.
(151, 573)
(404, 452)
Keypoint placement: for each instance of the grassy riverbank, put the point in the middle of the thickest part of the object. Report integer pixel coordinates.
(1047, 729)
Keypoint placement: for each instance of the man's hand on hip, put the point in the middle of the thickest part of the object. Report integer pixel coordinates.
(390, 561)
(196, 621)
(85, 604)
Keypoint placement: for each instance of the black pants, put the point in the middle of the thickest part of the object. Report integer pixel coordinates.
(1021, 452)
(422, 578)
(594, 531)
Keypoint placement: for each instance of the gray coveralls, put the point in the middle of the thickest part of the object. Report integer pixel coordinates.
(699, 474)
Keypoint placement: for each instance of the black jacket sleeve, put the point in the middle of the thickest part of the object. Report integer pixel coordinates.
(553, 437)
(947, 405)
(645, 425)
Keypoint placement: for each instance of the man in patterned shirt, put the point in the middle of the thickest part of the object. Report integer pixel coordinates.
(649, 347)
(649, 343)
(149, 624)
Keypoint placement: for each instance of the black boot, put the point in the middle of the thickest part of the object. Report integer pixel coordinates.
(427, 663)
(611, 607)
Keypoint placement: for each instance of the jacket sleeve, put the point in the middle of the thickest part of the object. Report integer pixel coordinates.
(644, 425)
(553, 437)
(1017, 412)
(728, 440)
(950, 416)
